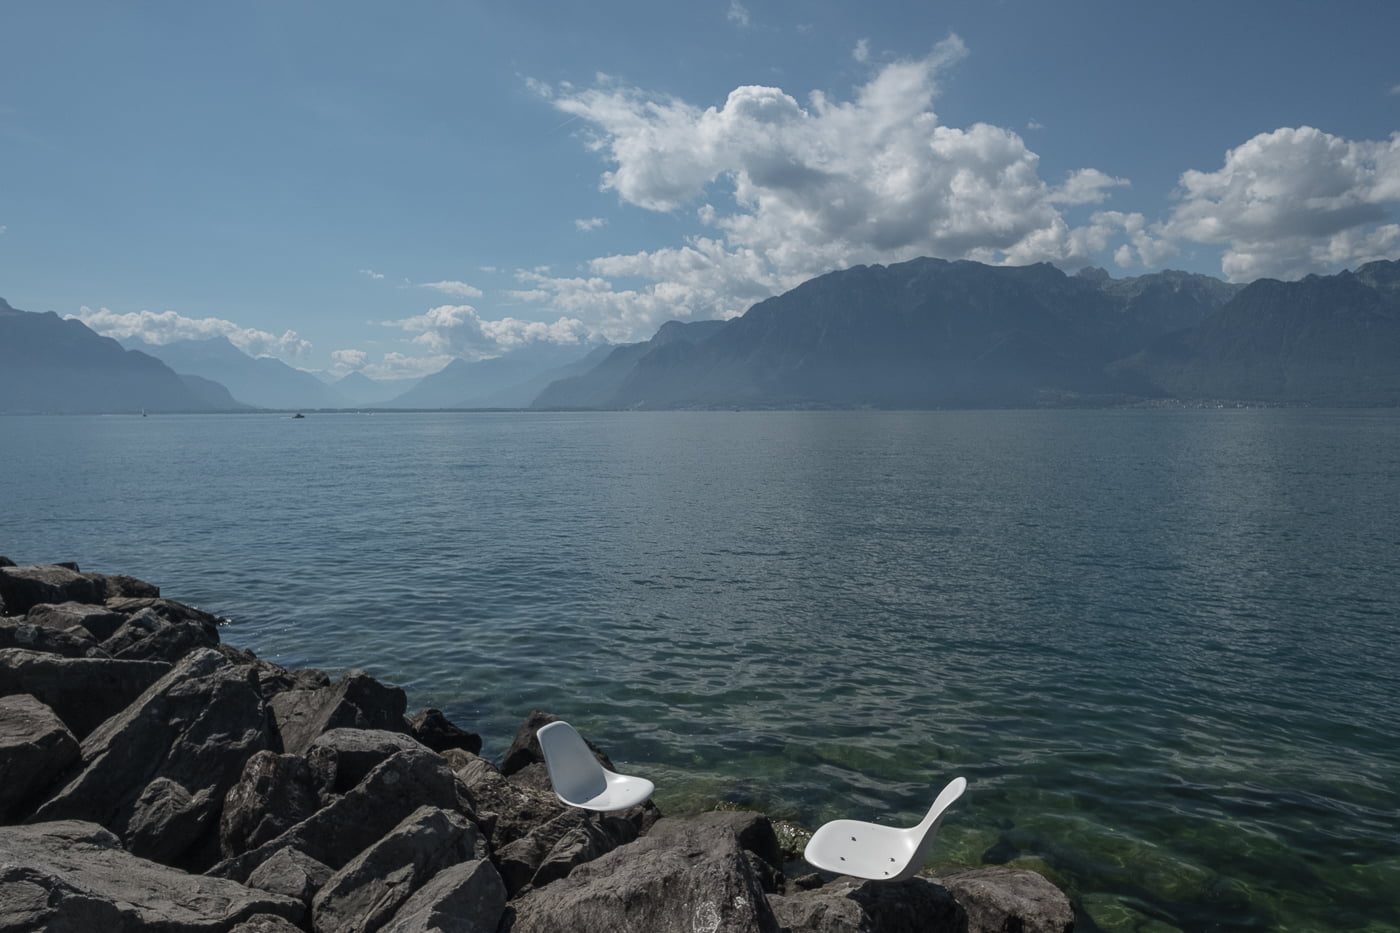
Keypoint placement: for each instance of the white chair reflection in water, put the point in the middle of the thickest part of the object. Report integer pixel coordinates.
(880, 853)
(580, 780)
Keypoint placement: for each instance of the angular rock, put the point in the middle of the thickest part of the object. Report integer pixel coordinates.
(997, 899)
(370, 889)
(518, 861)
(273, 794)
(99, 621)
(356, 701)
(150, 636)
(340, 758)
(342, 830)
(119, 586)
(266, 923)
(913, 906)
(587, 841)
(291, 873)
(71, 876)
(157, 772)
(525, 748)
(434, 730)
(23, 588)
(167, 609)
(19, 632)
(35, 749)
(696, 880)
(508, 812)
(463, 898)
(84, 692)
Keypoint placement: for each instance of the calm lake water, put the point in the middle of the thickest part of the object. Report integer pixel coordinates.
(1161, 645)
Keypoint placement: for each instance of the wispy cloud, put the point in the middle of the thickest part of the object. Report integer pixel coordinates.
(456, 289)
(168, 326)
(583, 224)
(459, 331)
(738, 13)
(861, 52)
(372, 274)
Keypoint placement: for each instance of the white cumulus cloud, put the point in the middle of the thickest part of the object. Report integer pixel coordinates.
(455, 289)
(1294, 201)
(459, 331)
(584, 224)
(164, 327)
(792, 189)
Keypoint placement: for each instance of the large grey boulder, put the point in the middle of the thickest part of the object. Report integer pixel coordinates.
(998, 899)
(19, 632)
(70, 877)
(693, 878)
(35, 749)
(273, 794)
(434, 730)
(157, 772)
(84, 692)
(22, 588)
(149, 636)
(341, 758)
(356, 701)
(464, 898)
(848, 905)
(338, 832)
(507, 811)
(120, 586)
(370, 889)
(98, 621)
(291, 873)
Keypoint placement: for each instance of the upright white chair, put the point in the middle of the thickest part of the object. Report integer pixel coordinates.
(580, 780)
(880, 853)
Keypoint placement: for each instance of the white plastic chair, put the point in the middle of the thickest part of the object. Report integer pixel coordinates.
(880, 853)
(580, 780)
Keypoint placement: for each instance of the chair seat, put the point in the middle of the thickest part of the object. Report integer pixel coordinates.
(859, 849)
(623, 791)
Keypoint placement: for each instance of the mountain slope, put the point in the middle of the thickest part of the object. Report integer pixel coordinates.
(262, 382)
(484, 383)
(48, 364)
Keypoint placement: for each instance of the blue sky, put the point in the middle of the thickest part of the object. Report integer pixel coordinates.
(375, 186)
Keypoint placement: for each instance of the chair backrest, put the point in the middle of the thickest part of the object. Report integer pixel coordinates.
(574, 772)
(927, 829)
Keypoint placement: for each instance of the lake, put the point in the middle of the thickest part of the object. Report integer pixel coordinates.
(1160, 645)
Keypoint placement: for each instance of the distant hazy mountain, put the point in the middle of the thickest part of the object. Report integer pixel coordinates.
(1324, 340)
(508, 381)
(919, 334)
(48, 364)
(262, 382)
(359, 389)
(601, 385)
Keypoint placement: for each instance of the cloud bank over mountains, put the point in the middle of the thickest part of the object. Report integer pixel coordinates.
(782, 190)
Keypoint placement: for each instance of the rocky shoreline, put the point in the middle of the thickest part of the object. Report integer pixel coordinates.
(154, 778)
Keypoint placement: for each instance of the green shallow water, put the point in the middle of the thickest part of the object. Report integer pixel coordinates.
(1160, 645)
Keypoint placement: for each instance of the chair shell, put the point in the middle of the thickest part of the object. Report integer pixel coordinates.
(880, 853)
(580, 780)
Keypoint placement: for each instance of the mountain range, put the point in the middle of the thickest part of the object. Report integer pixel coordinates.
(927, 333)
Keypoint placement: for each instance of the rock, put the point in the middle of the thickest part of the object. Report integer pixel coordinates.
(340, 758)
(525, 749)
(913, 906)
(23, 588)
(999, 899)
(369, 890)
(71, 876)
(291, 873)
(167, 609)
(432, 729)
(84, 692)
(694, 880)
(18, 632)
(342, 830)
(35, 748)
(120, 586)
(99, 621)
(150, 636)
(507, 811)
(753, 830)
(157, 772)
(273, 794)
(587, 840)
(518, 861)
(266, 923)
(463, 898)
(356, 701)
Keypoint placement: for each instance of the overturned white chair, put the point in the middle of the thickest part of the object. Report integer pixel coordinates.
(880, 853)
(580, 780)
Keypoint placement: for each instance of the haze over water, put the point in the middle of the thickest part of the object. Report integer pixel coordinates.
(1159, 644)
